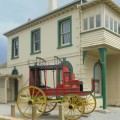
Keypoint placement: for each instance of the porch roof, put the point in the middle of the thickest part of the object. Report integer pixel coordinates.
(11, 76)
(110, 3)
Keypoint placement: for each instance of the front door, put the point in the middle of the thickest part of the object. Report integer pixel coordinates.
(16, 89)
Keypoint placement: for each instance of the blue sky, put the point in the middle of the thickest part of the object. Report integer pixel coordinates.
(16, 12)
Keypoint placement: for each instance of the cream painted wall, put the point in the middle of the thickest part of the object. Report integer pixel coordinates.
(48, 36)
(113, 80)
(49, 44)
(90, 61)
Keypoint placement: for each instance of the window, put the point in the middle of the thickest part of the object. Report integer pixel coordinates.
(119, 28)
(115, 26)
(91, 22)
(85, 23)
(15, 47)
(35, 41)
(106, 21)
(98, 20)
(64, 31)
(98, 77)
(111, 24)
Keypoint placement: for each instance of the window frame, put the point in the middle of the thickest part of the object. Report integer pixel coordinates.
(111, 24)
(13, 56)
(85, 26)
(91, 23)
(118, 28)
(60, 22)
(99, 81)
(99, 21)
(33, 51)
(115, 26)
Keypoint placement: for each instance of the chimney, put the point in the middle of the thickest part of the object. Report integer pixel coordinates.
(52, 5)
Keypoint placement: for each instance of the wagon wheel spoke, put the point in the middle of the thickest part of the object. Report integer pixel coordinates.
(28, 97)
(89, 103)
(73, 106)
(50, 105)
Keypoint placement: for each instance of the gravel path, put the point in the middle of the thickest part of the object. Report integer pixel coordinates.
(113, 114)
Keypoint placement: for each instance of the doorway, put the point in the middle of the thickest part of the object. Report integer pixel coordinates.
(16, 89)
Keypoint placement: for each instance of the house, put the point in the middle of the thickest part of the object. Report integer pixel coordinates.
(87, 35)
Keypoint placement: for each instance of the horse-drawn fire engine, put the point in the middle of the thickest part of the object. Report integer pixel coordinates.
(66, 91)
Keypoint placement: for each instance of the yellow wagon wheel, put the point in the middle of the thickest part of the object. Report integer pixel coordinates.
(89, 103)
(50, 105)
(31, 96)
(73, 106)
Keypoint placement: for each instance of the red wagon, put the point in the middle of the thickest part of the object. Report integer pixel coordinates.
(65, 90)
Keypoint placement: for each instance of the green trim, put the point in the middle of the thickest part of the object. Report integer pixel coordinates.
(32, 47)
(12, 48)
(98, 97)
(35, 53)
(64, 59)
(67, 64)
(103, 52)
(14, 58)
(59, 32)
(15, 71)
(64, 46)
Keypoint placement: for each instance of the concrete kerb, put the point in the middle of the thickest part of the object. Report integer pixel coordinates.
(8, 118)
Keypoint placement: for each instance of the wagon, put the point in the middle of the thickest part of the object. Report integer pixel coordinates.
(65, 90)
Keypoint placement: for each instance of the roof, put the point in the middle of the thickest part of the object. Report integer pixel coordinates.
(73, 6)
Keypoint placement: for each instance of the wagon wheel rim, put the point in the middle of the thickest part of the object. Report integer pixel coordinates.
(73, 106)
(89, 103)
(50, 105)
(31, 96)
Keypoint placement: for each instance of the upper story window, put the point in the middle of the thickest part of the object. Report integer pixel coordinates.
(98, 21)
(35, 41)
(119, 28)
(85, 23)
(65, 32)
(15, 47)
(111, 24)
(106, 21)
(115, 26)
(91, 22)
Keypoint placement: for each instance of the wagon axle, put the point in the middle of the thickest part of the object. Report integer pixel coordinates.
(71, 107)
(30, 102)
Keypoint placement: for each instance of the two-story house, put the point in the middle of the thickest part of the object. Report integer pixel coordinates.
(85, 34)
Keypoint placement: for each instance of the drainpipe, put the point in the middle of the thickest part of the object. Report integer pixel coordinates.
(80, 27)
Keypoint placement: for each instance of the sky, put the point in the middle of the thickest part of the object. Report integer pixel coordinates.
(16, 12)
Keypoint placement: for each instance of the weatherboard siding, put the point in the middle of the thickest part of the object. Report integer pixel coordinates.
(112, 39)
(92, 38)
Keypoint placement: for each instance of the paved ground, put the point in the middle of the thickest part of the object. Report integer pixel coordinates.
(113, 114)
